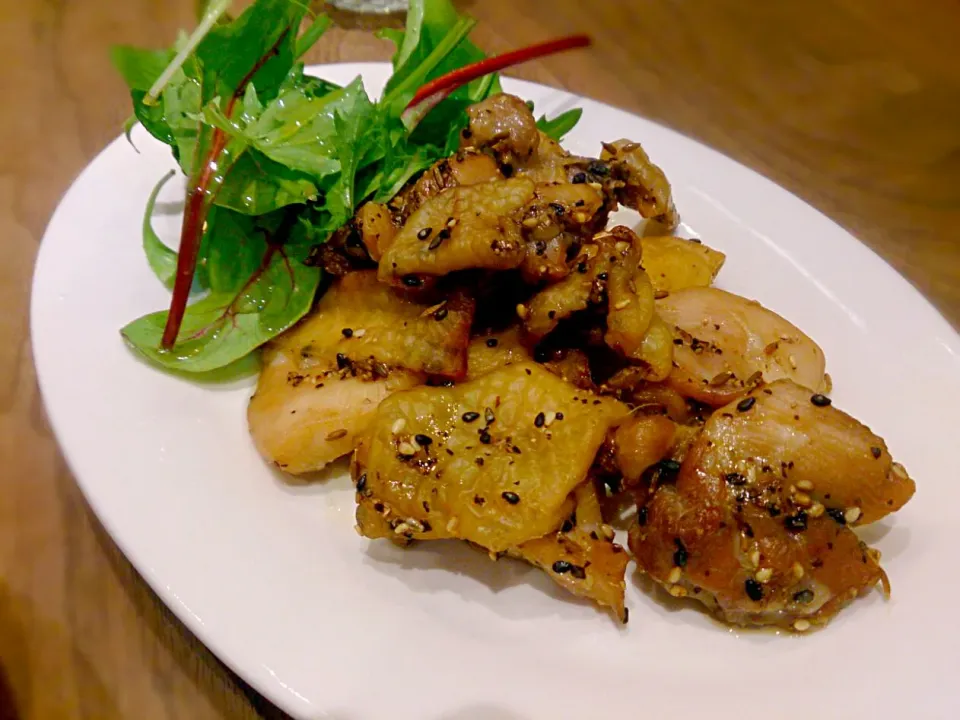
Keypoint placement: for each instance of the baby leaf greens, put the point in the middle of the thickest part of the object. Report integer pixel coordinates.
(276, 160)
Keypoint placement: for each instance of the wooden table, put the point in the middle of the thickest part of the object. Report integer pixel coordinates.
(854, 105)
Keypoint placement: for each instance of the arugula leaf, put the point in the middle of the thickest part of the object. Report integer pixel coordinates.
(561, 124)
(162, 260)
(263, 290)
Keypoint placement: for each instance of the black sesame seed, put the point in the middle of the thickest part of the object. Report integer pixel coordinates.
(347, 332)
(485, 437)
(507, 170)
(578, 572)
(423, 440)
(469, 416)
(820, 400)
(557, 208)
(488, 416)
(803, 597)
(754, 590)
(492, 343)
(440, 314)
(477, 500)
(579, 178)
(438, 240)
(467, 133)
(598, 168)
(668, 467)
(567, 525)
(582, 268)
(876, 452)
(539, 420)
(378, 507)
(559, 416)
(642, 514)
(736, 479)
(412, 281)
(551, 314)
(561, 566)
(362, 482)
(510, 497)
(837, 515)
(342, 361)
(541, 247)
(796, 523)
(602, 276)
(746, 404)
(424, 234)
(681, 555)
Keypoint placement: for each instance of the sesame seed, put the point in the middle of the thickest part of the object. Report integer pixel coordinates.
(803, 596)
(753, 589)
(452, 222)
(579, 178)
(735, 479)
(469, 416)
(548, 419)
(530, 222)
(452, 524)
(608, 532)
(804, 485)
(362, 483)
(561, 566)
(485, 437)
(755, 558)
(678, 591)
(539, 420)
(660, 294)
(347, 332)
(763, 575)
(621, 246)
(801, 625)
(406, 449)
(578, 572)
(342, 361)
(412, 281)
(359, 333)
(851, 515)
(622, 304)
(746, 404)
(797, 570)
(815, 510)
(820, 400)
(876, 452)
(423, 440)
(838, 515)
(510, 497)
(438, 240)
(559, 416)
(424, 233)
(492, 342)
(796, 523)
(336, 435)
(522, 311)
(440, 314)
(398, 425)
(720, 378)
(793, 362)
(674, 576)
(802, 499)
(488, 416)
(595, 185)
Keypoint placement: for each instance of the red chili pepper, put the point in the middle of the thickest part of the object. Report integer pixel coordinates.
(446, 84)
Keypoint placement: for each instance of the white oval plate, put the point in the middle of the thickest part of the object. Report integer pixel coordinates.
(326, 624)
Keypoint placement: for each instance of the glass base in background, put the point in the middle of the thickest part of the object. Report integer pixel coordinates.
(380, 7)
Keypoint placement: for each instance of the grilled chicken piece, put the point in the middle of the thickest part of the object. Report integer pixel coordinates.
(493, 461)
(727, 344)
(504, 125)
(464, 227)
(377, 228)
(583, 561)
(641, 442)
(303, 420)
(466, 167)
(644, 187)
(493, 350)
(757, 525)
(322, 380)
(674, 263)
(556, 221)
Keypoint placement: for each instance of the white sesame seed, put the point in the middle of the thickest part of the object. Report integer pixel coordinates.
(674, 576)
(797, 570)
(359, 333)
(580, 217)
(530, 222)
(452, 524)
(621, 246)
(595, 185)
(851, 515)
(764, 575)
(493, 556)
(401, 528)
(801, 625)
(522, 311)
(802, 499)
(609, 533)
(406, 449)
(548, 418)
(816, 510)
(805, 485)
(678, 591)
(398, 425)
(899, 470)
(793, 362)
(755, 558)
(622, 304)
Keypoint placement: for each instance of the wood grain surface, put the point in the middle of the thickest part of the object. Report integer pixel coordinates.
(854, 105)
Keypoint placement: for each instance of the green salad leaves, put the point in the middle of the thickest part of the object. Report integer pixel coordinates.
(276, 160)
